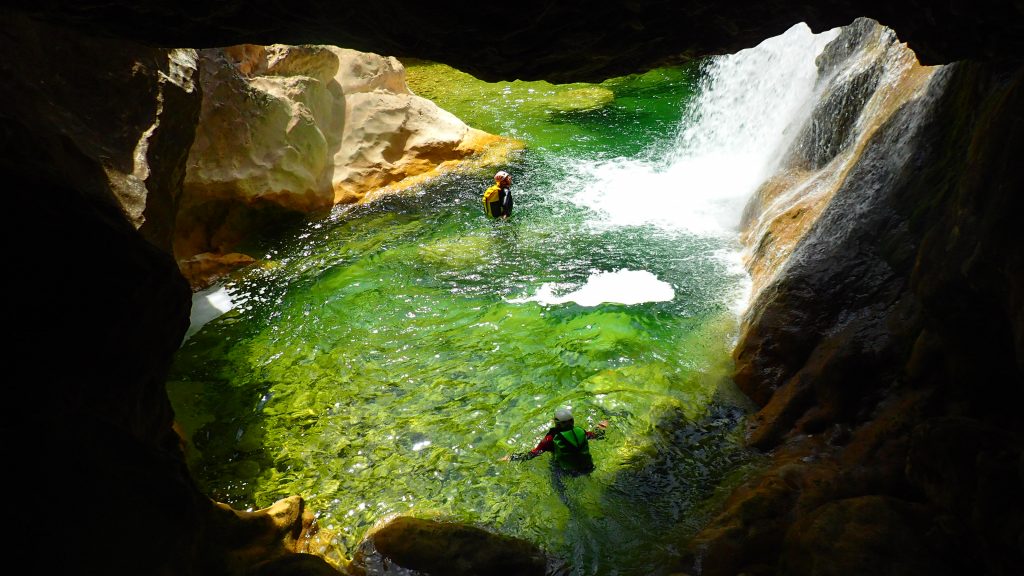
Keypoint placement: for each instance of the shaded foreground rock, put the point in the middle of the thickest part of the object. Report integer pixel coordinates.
(448, 548)
(866, 535)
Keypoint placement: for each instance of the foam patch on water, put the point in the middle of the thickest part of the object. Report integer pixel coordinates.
(619, 287)
(207, 305)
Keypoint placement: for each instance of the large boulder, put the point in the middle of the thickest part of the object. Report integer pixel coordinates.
(292, 130)
(421, 546)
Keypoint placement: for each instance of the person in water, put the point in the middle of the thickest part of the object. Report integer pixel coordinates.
(568, 443)
(498, 198)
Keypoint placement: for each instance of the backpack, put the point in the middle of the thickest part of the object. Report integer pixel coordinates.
(491, 194)
(572, 451)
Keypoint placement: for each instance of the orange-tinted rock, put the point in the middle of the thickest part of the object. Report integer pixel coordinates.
(264, 540)
(292, 130)
(203, 270)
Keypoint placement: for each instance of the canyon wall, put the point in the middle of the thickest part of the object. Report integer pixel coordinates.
(118, 163)
(883, 339)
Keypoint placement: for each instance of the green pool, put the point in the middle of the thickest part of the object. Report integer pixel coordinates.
(382, 360)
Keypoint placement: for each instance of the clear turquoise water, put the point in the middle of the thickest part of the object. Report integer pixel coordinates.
(382, 360)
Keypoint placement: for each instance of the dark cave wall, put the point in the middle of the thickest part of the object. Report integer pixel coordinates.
(105, 306)
(925, 424)
(565, 41)
(102, 307)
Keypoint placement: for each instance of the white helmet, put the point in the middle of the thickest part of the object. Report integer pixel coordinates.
(503, 177)
(563, 415)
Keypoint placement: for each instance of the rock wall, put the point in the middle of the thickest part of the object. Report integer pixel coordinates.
(64, 125)
(96, 132)
(292, 130)
(884, 341)
(571, 41)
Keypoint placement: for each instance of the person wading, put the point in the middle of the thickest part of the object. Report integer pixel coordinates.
(568, 443)
(498, 198)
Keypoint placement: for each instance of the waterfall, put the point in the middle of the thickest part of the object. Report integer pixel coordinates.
(866, 75)
(748, 110)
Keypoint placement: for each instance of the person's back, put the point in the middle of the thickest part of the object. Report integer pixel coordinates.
(497, 199)
(572, 452)
(492, 201)
(568, 444)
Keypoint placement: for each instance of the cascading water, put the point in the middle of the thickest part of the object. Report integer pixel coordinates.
(745, 116)
(747, 111)
(866, 77)
(383, 360)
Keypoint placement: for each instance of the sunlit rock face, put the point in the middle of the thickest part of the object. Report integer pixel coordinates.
(865, 77)
(297, 129)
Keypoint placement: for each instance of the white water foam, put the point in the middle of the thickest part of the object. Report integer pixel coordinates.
(620, 287)
(207, 305)
(750, 106)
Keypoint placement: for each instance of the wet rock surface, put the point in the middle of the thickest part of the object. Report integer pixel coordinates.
(875, 344)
